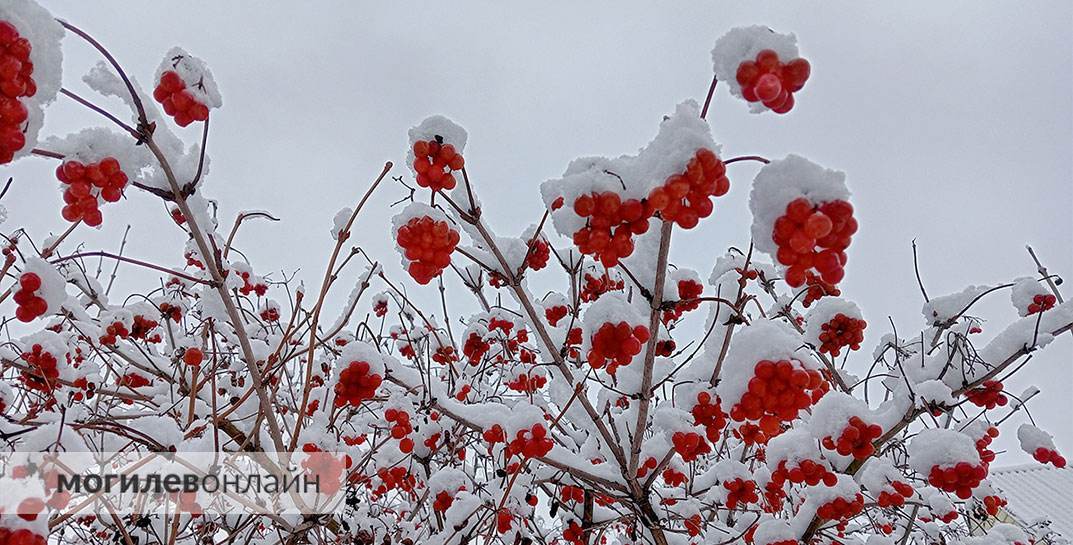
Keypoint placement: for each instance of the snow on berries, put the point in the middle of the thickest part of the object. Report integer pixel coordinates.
(615, 333)
(435, 153)
(425, 239)
(840, 501)
(886, 483)
(40, 290)
(1030, 297)
(46, 361)
(833, 325)
(185, 87)
(1040, 445)
(803, 219)
(761, 66)
(361, 372)
(606, 203)
(95, 170)
(774, 532)
(795, 457)
(844, 425)
(765, 380)
(950, 460)
(30, 70)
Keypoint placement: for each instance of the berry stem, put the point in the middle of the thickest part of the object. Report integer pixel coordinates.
(708, 100)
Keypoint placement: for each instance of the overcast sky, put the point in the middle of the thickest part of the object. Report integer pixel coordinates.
(952, 120)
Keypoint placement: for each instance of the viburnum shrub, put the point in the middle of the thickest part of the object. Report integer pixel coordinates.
(576, 383)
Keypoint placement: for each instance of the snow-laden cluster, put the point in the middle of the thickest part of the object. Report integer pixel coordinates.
(44, 34)
(782, 181)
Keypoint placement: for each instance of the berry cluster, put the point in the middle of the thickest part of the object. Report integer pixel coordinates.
(142, 329)
(427, 244)
(1045, 455)
(327, 468)
(475, 348)
(193, 356)
(527, 383)
(709, 413)
(740, 491)
(987, 455)
(817, 289)
(1041, 302)
(400, 429)
(16, 81)
(673, 477)
(959, 478)
(114, 332)
(685, 198)
(30, 305)
(840, 332)
(357, 383)
(772, 82)
(608, 233)
(618, 343)
(689, 445)
(443, 501)
(856, 439)
(530, 443)
(993, 503)
(85, 183)
(806, 471)
(177, 101)
(688, 292)
(777, 392)
(841, 508)
(41, 373)
(504, 521)
(22, 536)
(988, 395)
(538, 254)
(434, 161)
(902, 492)
(814, 237)
(133, 381)
(595, 286)
(555, 313)
(396, 478)
(572, 494)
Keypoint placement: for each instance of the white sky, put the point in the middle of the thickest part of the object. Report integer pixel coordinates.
(953, 121)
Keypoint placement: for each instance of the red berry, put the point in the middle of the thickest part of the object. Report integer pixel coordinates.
(193, 356)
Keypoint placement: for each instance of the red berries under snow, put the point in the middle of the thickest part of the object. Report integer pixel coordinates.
(840, 332)
(1045, 455)
(178, 101)
(357, 383)
(16, 81)
(814, 237)
(615, 345)
(689, 445)
(85, 184)
(41, 371)
(1041, 302)
(959, 478)
(988, 395)
(686, 198)
(856, 439)
(777, 392)
(771, 81)
(434, 163)
(427, 244)
(30, 303)
(612, 222)
(841, 508)
(21, 536)
(530, 443)
(193, 357)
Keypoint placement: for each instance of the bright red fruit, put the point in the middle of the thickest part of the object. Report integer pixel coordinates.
(686, 198)
(615, 345)
(434, 163)
(86, 183)
(857, 439)
(427, 244)
(16, 81)
(772, 82)
(842, 331)
(30, 304)
(357, 383)
(193, 356)
(811, 237)
(612, 222)
(177, 101)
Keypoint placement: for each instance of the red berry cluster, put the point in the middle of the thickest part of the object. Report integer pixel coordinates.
(538, 254)
(618, 343)
(688, 292)
(959, 478)
(993, 503)
(114, 332)
(434, 161)
(504, 521)
(270, 314)
(259, 287)
(556, 313)
(856, 439)
(817, 289)
(22, 536)
(400, 429)
(673, 477)
(16, 81)
(612, 223)
(324, 466)
(133, 380)
(427, 244)
(177, 101)
(595, 286)
(143, 327)
(806, 471)
(357, 383)
(193, 356)
(988, 395)
(841, 508)
(81, 179)
(443, 501)
(30, 305)
(574, 534)
(689, 445)
(740, 491)
(840, 332)
(396, 478)
(709, 413)
(902, 492)
(1042, 302)
(665, 348)
(527, 383)
(41, 373)
(530, 443)
(475, 348)
(686, 198)
(987, 455)
(777, 392)
(814, 237)
(1045, 455)
(772, 82)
